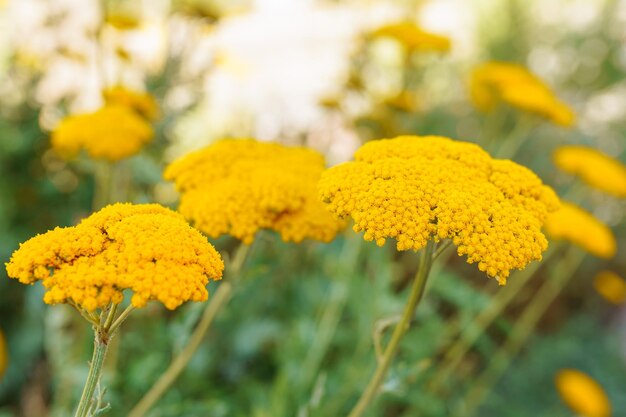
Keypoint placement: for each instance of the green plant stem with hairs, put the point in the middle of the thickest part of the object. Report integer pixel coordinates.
(522, 330)
(180, 362)
(417, 291)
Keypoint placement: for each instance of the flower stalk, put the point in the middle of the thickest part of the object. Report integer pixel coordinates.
(417, 291)
(101, 345)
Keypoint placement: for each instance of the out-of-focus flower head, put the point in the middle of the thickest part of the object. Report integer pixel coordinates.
(239, 186)
(413, 189)
(580, 227)
(145, 248)
(143, 103)
(495, 82)
(582, 394)
(595, 168)
(610, 286)
(111, 133)
(413, 37)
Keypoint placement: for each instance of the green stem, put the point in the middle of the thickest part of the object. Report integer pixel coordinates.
(178, 365)
(417, 290)
(523, 328)
(101, 344)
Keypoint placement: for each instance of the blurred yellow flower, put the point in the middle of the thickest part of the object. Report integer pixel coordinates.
(595, 168)
(4, 354)
(413, 37)
(145, 248)
(610, 286)
(494, 82)
(404, 101)
(142, 103)
(582, 229)
(122, 21)
(582, 394)
(239, 186)
(112, 133)
(413, 189)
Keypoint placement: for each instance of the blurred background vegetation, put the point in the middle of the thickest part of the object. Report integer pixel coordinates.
(297, 338)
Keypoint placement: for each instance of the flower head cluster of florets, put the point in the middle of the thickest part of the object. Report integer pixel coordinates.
(239, 186)
(495, 82)
(595, 168)
(580, 227)
(413, 189)
(111, 133)
(146, 248)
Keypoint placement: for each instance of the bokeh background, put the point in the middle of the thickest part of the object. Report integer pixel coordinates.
(296, 340)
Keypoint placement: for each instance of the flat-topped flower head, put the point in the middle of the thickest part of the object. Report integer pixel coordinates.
(580, 227)
(142, 103)
(595, 168)
(501, 82)
(413, 37)
(147, 249)
(240, 186)
(582, 394)
(414, 189)
(111, 133)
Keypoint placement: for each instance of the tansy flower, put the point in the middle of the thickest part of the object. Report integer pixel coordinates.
(147, 249)
(610, 286)
(595, 168)
(495, 82)
(238, 187)
(4, 354)
(142, 103)
(581, 228)
(112, 133)
(413, 189)
(413, 37)
(582, 394)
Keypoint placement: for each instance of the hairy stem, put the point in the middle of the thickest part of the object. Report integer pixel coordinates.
(101, 344)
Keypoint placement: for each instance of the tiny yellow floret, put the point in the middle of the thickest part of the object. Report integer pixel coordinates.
(610, 286)
(494, 82)
(413, 189)
(580, 227)
(112, 133)
(145, 248)
(582, 394)
(240, 186)
(595, 168)
(142, 103)
(413, 37)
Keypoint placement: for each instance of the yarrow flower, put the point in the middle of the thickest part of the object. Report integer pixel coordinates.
(414, 189)
(112, 133)
(595, 168)
(142, 103)
(413, 37)
(580, 227)
(494, 82)
(610, 286)
(238, 187)
(582, 394)
(147, 249)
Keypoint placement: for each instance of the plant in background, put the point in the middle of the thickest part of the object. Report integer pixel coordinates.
(611, 287)
(238, 187)
(421, 191)
(411, 36)
(142, 103)
(594, 167)
(4, 354)
(146, 249)
(582, 394)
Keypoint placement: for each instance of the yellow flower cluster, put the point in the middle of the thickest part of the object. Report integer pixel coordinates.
(143, 103)
(413, 37)
(145, 248)
(413, 189)
(610, 286)
(581, 228)
(4, 354)
(112, 133)
(582, 394)
(239, 186)
(597, 169)
(495, 82)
